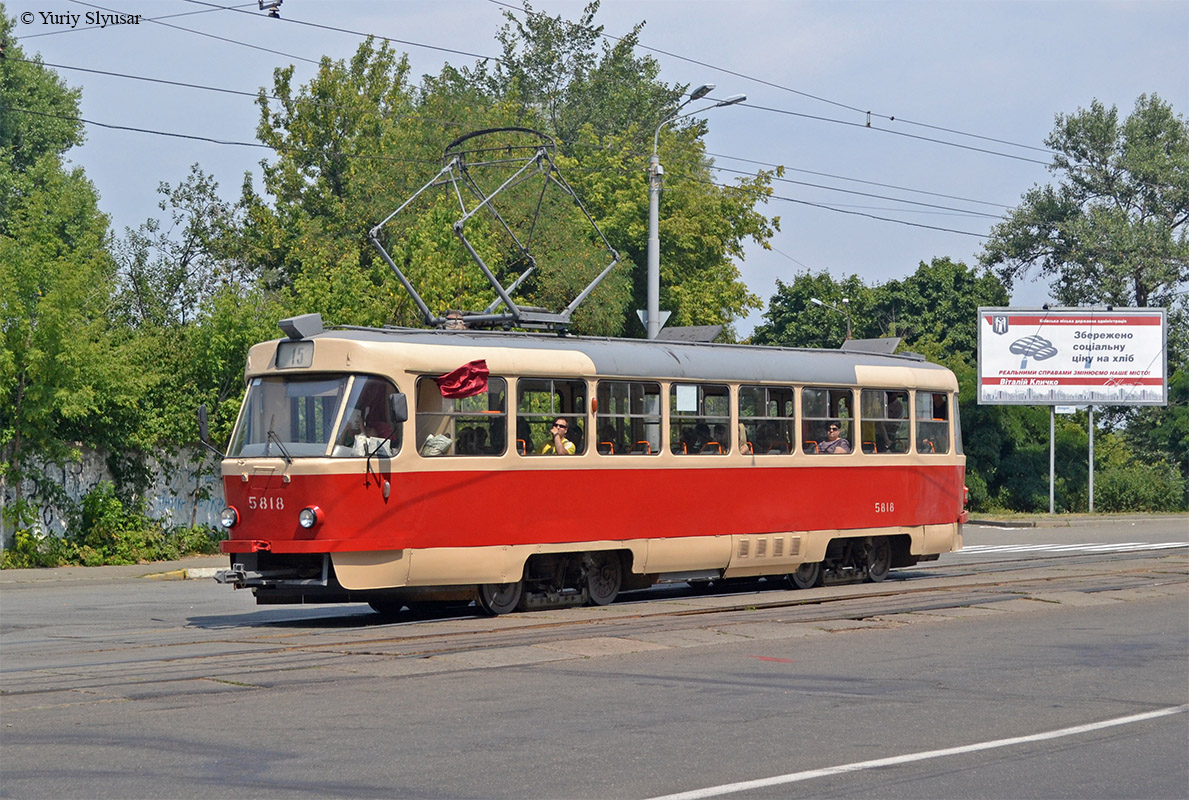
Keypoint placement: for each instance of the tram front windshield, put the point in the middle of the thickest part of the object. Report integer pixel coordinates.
(315, 415)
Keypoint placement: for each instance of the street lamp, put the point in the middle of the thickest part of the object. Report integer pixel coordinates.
(846, 313)
(652, 315)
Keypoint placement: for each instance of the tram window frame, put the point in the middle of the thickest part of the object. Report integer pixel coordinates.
(884, 423)
(932, 430)
(770, 432)
(567, 400)
(819, 412)
(688, 411)
(443, 422)
(366, 425)
(624, 423)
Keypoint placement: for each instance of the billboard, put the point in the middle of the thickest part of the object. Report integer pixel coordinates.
(1072, 356)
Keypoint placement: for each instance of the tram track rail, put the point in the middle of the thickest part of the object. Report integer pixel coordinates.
(234, 655)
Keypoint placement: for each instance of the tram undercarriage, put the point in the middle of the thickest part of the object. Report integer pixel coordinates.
(551, 580)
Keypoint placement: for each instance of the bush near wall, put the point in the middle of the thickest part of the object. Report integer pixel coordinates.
(106, 530)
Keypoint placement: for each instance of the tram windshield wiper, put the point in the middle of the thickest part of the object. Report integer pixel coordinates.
(272, 437)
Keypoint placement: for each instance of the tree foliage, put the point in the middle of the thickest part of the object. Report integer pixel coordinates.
(63, 375)
(1114, 228)
(603, 104)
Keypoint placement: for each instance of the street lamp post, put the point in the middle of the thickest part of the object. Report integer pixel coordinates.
(652, 314)
(846, 313)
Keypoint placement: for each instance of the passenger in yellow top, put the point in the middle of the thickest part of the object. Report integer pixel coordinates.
(560, 445)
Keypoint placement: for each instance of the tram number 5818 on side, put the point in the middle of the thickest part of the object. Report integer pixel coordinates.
(885, 508)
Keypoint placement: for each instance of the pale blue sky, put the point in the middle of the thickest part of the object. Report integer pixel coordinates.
(995, 69)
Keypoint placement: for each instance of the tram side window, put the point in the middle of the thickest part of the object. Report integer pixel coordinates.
(820, 410)
(884, 425)
(933, 422)
(542, 401)
(628, 418)
(699, 416)
(766, 420)
(462, 426)
(367, 425)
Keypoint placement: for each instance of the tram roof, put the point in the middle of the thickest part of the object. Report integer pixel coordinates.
(659, 358)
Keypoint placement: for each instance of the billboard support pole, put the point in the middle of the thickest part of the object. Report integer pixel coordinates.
(1091, 459)
(1052, 452)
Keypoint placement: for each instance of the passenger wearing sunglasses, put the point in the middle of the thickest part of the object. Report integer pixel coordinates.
(834, 442)
(559, 445)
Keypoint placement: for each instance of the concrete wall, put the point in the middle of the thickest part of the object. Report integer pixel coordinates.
(184, 491)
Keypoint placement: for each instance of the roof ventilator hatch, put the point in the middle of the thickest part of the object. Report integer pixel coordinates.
(460, 178)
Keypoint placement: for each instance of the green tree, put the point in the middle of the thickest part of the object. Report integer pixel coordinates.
(188, 308)
(169, 268)
(1114, 228)
(793, 320)
(63, 376)
(38, 117)
(602, 103)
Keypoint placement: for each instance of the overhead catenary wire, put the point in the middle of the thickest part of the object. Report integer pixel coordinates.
(336, 29)
(261, 145)
(332, 106)
(497, 59)
(782, 87)
(209, 35)
(77, 29)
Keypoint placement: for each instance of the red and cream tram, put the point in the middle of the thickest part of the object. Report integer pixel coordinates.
(396, 466)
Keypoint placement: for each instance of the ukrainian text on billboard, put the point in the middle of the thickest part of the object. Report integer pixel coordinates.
(1072, 356)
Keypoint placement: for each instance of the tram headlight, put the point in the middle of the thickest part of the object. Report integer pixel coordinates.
(309, 517)
(229, 517)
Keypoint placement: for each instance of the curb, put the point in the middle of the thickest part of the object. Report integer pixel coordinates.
(195, 573)
(999, 523)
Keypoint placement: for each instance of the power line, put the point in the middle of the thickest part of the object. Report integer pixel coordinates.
(93, 27)
(894, 133)
(208, 139)
(234, 143)
(800, 93)
(770, 165)
(352, 32)
(254, 95)
(752, 78)
(211, 35)
(867, 194)
(222, 90)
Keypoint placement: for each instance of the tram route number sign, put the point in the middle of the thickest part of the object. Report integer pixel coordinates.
(1072, 356)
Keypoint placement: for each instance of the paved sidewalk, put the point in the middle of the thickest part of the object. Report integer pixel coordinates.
(183, 569)
(1067, 520)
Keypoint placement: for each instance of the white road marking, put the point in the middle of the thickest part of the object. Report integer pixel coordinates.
(796, 777)
(1089, 547)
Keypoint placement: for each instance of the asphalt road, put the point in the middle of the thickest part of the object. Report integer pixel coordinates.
(1065, 673)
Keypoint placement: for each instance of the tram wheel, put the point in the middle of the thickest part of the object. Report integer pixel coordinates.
(500, 598)
(807, 575)
(604, 577)
(879, 558)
